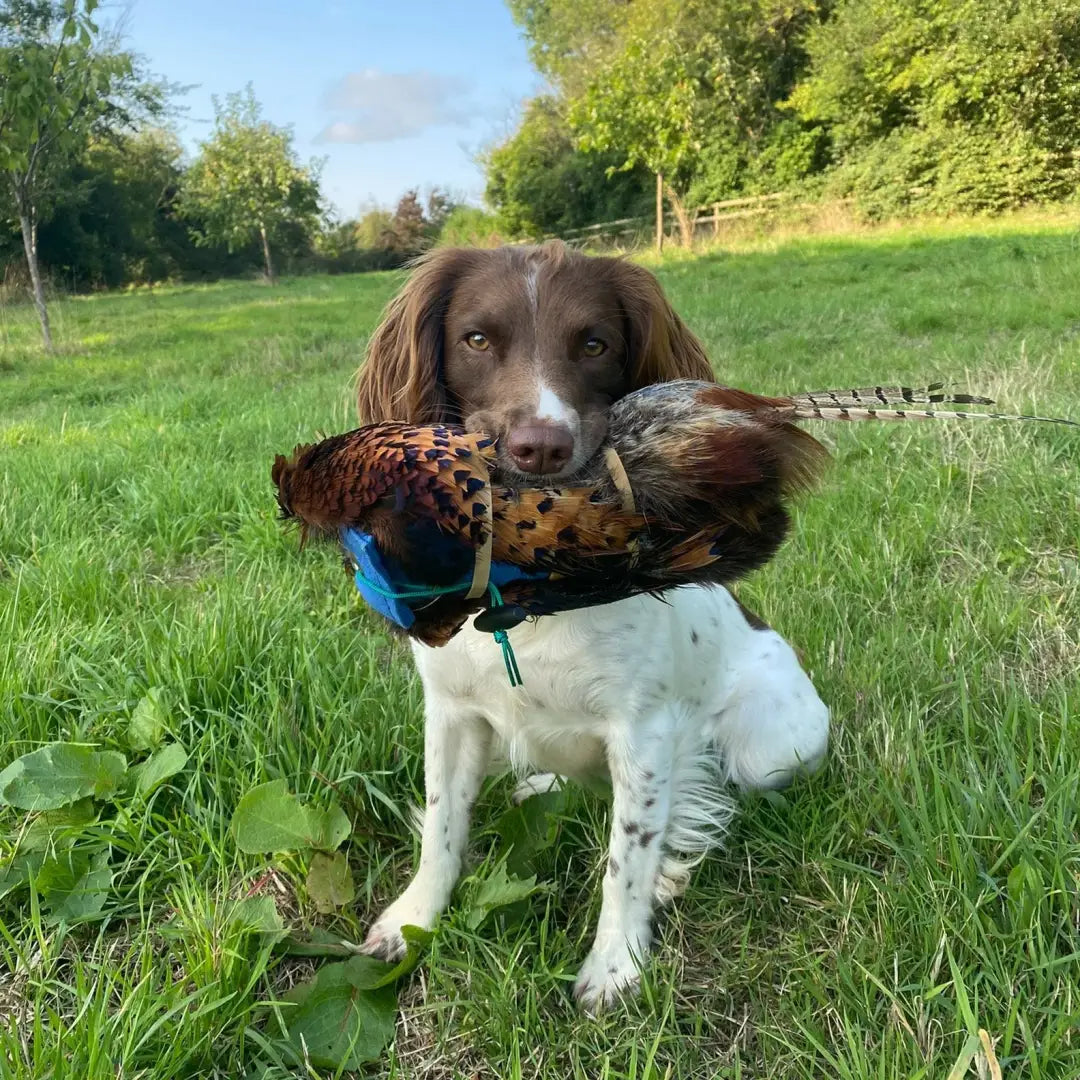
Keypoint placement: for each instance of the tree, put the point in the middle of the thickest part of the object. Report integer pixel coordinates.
(407, 224)
(374, 231)
(247, 182)
(689, 90)
(469, 226)
(55, 89)
(540, 182)
(439, 207)
(412, 229)
(648, 106)
(568, 39)
(112, 218)
(692, 91)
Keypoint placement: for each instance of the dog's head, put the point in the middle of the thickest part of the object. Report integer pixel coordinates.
(531, 344)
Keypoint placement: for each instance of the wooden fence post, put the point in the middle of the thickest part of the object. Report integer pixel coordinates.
(659, 212)
(716, 219)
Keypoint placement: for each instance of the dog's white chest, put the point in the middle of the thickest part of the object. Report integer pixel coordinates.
(556, 720)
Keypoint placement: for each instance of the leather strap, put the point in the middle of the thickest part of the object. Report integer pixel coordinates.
(622, 485)
(620, 479)
(482, 567)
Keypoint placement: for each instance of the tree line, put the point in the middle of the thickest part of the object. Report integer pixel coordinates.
(97, 192)
(902, 106)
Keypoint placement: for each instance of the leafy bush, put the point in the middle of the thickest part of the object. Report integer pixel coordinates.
(248, 183)
(947, 107)
(114, 220)
(74, 799)
(952, 170)
(469, 226)
(352, 247)
(539, 182)
(927, 106)
(693, 93)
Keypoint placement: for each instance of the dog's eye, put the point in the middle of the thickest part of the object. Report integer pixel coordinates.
(594, 347)
(477, 341)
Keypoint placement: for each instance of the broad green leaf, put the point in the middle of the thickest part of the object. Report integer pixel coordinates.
(500, 890)
(149, 720)
(338, 1025)
(74, 886)
(158, 767)
(54, 825)
(17, 873)
(299, 992)
(330, 882)
(268, 819)
(59, 873)
(530, 828)
(59, 775)
(257, 913)
(334, 828)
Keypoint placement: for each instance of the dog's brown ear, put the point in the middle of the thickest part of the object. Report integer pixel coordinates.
(402, 374)
(662, 347)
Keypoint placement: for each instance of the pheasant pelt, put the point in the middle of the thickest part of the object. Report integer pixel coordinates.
(711, 471)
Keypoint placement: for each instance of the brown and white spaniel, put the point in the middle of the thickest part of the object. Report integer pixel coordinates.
(672, 699)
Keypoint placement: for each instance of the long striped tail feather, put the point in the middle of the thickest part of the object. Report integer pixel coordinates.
(805, 412)
(874, 396)
(865, 403)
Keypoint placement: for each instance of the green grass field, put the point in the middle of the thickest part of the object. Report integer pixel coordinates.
(865, 924)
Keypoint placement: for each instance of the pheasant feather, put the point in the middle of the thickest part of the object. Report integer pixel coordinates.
(865, 403)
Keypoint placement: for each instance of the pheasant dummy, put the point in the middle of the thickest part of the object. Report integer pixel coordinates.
(692, 487)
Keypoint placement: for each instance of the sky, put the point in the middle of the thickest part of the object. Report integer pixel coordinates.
(394, 94)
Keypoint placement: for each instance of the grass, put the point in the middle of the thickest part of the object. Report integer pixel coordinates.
(865, 924)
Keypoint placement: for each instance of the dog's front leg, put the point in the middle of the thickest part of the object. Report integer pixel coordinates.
(639, 760)
(456, 750)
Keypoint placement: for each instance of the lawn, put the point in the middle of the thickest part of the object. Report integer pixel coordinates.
(868, 923)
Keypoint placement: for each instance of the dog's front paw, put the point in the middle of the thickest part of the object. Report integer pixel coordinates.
(609, 973)
(385, 940)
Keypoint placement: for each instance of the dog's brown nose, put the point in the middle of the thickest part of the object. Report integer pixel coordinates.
(541, 448)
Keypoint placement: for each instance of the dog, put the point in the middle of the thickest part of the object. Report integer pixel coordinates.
(673, 700)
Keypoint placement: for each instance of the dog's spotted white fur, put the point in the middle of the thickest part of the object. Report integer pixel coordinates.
(670, 700)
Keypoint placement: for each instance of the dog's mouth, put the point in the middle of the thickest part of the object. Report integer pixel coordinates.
(587, 441)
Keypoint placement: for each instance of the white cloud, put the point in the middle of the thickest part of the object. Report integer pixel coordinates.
(378, 106)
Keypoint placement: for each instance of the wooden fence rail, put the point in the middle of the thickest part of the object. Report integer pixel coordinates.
(714, 213)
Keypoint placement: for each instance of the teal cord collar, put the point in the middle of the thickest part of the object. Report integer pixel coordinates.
(501, 637)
